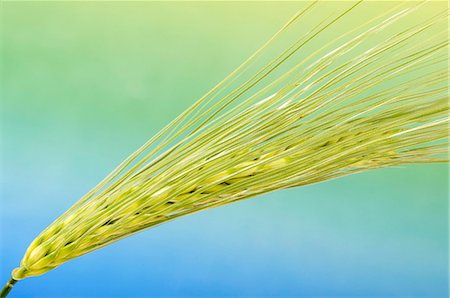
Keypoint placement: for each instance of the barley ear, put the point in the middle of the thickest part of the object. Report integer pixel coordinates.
(374, 95)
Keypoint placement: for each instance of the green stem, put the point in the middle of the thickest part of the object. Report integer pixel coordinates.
(7, 288)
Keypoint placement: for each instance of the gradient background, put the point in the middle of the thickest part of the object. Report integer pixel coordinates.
(85, 84)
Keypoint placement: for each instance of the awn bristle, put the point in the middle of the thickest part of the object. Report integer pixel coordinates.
(373, 97)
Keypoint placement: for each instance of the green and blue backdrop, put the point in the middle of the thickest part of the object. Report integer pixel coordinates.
(85, 84)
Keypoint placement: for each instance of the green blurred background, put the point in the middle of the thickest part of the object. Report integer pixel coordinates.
(85, 84)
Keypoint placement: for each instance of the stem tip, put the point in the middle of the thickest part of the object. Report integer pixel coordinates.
(7, 288)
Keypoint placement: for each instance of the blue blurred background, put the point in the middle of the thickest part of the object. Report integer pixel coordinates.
(84, 84)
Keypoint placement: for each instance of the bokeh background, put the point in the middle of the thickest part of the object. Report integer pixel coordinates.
(85, 84)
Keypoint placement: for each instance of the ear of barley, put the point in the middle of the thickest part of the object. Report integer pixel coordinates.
(373, 97)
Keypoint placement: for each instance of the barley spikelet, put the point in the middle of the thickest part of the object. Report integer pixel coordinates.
(375, 96)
